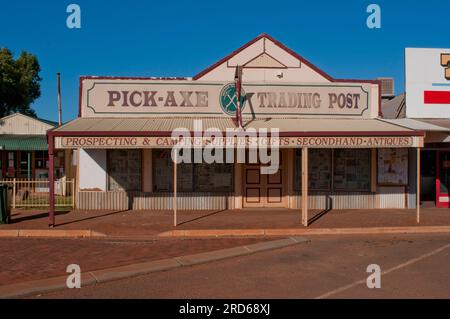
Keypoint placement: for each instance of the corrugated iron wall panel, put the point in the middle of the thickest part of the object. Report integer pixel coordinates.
(391, 197)
(153, 201)
(102, 200)
(387, 197)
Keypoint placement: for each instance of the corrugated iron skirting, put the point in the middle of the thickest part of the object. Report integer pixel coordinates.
(150, 201)
(386, 197)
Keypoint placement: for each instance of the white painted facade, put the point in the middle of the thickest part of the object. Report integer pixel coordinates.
(278, 66)
(266, 64)
(424, 72)
(19, 124)
(92, 169)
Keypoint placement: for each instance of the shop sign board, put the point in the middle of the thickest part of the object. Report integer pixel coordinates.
(137, 97)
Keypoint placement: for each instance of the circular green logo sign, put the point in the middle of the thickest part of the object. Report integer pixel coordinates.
(228, 99)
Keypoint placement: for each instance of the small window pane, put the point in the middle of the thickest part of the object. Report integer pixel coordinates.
(124, 170)
(200, 177)
(352, 169)
(319, 169)
(215, 177)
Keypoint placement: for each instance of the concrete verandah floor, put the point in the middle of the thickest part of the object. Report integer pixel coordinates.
(149, 223)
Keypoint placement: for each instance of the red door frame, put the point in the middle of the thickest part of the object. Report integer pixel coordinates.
(440, 204)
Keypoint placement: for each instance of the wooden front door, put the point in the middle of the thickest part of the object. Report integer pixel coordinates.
(263, 190)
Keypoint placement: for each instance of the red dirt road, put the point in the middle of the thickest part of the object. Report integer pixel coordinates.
(417, 266)
(28, 259)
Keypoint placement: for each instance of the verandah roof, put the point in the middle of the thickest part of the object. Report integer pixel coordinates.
(298, 126)
(23, 142)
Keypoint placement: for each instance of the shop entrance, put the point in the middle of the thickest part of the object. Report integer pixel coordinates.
(428, 178)
(443, 179)
(264, 190)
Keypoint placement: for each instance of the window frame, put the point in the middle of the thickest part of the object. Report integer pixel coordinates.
(369, 158)
(108, 166)
(332, 185)
(194, 177)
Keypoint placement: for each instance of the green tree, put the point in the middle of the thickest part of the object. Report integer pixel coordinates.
(19, 82)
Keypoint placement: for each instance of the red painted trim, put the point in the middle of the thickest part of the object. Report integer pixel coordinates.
(380, 111)
(281, 134)
(80, 91)
(436, 97)
(229, 56)
(51, 179)
(356, 81)
(440, 204)
(102, 77)
(295, 55)
(285, 48)
(355, 133)
(438, 182)
(276, 42)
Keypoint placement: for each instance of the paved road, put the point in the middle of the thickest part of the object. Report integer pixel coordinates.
(331, 267)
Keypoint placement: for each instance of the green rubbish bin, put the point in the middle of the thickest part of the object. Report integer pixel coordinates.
(5, 212)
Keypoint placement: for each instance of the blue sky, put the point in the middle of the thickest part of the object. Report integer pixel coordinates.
(181, 38)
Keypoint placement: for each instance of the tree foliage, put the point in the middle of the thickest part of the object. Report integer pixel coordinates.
(19, 82)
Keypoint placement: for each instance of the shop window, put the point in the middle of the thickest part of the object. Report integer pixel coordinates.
(25, 164)
(444, 172)
(191, 177)
(59, 164)
(41, 159)
(124, 170)
(319, 169)
(392, 166)
(216, 176)
(11, 167)
(162, 170)
(352, 169)
(41, 164)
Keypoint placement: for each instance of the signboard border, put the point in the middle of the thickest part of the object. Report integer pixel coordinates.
(368, 104)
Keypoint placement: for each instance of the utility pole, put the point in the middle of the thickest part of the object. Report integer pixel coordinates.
(58, 76)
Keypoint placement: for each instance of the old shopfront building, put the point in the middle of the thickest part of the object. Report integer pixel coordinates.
(329, 129)
(23, 149)
(426, 106)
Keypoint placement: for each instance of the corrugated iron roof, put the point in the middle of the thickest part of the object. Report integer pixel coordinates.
(23, 142)
(445, 123)
(394, 108)
(421, 124)
(161, 124)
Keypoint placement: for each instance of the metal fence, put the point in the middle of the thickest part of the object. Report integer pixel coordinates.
(30, 193)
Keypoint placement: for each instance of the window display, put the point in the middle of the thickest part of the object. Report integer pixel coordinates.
(124, 170)
(319, 169)
(201, 177)
(352, 169)
(393, 166)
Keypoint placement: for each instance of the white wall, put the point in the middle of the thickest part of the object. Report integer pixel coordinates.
(92, 166)
(424, 72)
(22, 124)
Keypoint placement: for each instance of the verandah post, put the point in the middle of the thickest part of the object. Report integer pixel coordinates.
(51, 181)
(72, 192)
(14, 193)
(418, 186)
(174, 203)
(305, 186)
